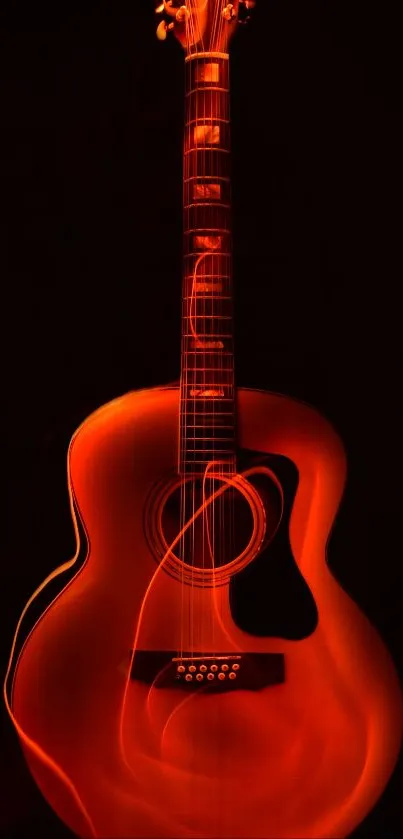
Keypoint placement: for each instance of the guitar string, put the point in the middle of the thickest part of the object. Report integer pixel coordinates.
(183, 403)
(216, 303)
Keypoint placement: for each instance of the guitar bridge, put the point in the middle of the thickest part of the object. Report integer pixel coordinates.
(220, 672)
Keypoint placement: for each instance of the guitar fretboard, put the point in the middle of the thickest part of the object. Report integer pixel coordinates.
(207, 416)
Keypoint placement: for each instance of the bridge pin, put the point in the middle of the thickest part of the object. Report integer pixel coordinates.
(200, 677)
(210, 676)
(221, 676)
(192, 668)
(181, 668)
(232, 675)
(188, 677)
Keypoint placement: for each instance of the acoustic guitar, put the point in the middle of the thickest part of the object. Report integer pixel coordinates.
(144, 706)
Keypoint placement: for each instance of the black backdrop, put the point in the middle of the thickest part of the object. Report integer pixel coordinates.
(91, 112)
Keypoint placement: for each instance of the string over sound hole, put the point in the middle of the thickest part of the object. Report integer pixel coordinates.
(203, 531)
(219, 534)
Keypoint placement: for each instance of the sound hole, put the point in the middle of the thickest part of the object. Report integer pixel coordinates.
(218, 535)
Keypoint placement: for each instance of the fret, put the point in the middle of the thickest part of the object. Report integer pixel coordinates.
(206, 230)
(190, 281)
(188, 467)
(200, 431)
(206, 177)
(206, 399)
(198, 55)
(204, 89)
(212, 435)
(201, 329)
(199, 292)
(204, 120)
(205, 427)
(207, 370)
(202, 290)
(195, 255)
(228, 467)
(210, 423)
(199, 443)
(198, 149)
(211, 413)
(209, 451)
(207, 317)
(208, 276)
(216, 150)
(201, 352)
(193, 294)
(229, 459)
(229, 464)
(207, 439)
(207, 204)
(210, 297)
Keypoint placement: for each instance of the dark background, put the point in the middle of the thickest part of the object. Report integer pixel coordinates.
(90, 148)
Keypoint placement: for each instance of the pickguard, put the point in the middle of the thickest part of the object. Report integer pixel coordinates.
(270, 597)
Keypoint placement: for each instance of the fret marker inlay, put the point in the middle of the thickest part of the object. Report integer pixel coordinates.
(209, 72)
(206, 191)
(206, 392)
(206, 135)
(208, 345)
(208, 243)
(207, 287)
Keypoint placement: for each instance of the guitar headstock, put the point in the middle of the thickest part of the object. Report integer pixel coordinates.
(202, 25)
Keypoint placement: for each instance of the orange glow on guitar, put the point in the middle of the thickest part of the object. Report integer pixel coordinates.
(146, 701)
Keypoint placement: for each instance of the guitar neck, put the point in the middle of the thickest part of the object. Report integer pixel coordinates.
(207, 414)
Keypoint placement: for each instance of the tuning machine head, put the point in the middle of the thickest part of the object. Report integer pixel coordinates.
(169, 9)
(163, 29)
(245, 10)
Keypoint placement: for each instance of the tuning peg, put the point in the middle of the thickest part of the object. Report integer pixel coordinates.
(228, 12)
(182, 14)
(163, 29)
(167, 7)
(170, 9)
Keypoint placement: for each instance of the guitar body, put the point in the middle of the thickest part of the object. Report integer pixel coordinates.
(121, 756)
